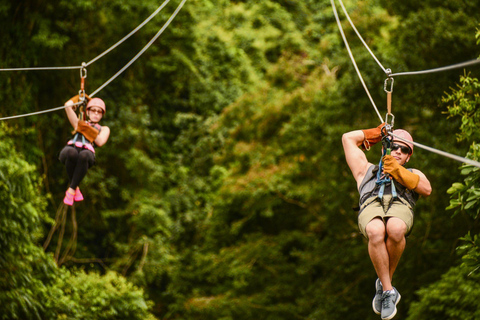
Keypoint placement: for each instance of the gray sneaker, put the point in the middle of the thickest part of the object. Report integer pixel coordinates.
(389, 304)
(377, 300)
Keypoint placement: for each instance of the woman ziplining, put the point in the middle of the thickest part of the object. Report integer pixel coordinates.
(79, 153)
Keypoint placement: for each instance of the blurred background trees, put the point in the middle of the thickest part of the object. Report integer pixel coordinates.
(223, 192)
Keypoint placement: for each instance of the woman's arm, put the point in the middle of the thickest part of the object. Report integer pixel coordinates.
(102, 136)
(72, 116)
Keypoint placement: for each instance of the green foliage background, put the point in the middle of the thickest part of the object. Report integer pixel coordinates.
(223, 192)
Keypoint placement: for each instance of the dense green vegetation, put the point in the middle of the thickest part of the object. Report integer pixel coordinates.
(223, 192)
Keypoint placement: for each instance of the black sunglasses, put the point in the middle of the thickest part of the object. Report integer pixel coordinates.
(403, 149)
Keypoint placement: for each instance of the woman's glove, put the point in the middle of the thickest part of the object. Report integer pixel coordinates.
(405, 177)
(76, 98)
(88, 131)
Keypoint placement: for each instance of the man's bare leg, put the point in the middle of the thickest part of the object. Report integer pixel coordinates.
(377, 249)
(396, 242)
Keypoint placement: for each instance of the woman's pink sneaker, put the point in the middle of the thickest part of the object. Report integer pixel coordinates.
(68, 200)
(78, 195)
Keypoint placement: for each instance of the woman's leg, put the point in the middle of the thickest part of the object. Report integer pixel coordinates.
(68, 156)
(85, 160)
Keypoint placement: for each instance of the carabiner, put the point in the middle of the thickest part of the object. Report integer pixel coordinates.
(386, 83)
(392, 120)
(83, 71)
(83, 76)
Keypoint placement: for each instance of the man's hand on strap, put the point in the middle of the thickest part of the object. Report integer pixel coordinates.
(405, 177)
(372, 136)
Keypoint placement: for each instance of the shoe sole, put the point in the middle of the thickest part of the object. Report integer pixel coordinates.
(373, 302)
(395, 310)
(373, 307)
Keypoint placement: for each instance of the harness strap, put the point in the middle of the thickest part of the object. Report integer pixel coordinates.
(386, 142)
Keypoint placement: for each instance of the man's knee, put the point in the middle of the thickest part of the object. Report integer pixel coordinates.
(376, 231)
(396, 229)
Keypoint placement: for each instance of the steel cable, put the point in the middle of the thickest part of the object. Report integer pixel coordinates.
(440, 152)
(131, 33)
(360, 37)
(37, 112)
(100, 55)
(453, 66)
(353, 59)
(141, 51)
(41, 68)
(117, 74)
(440, 69)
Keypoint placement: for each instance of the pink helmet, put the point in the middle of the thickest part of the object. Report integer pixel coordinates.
(404, 135)
(97, 102)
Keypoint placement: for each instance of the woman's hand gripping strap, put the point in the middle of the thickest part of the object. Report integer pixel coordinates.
(88, 131)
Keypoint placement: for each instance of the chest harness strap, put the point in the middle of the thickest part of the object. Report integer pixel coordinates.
(383, 179)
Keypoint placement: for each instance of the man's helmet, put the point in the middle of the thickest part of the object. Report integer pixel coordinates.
(404, 135)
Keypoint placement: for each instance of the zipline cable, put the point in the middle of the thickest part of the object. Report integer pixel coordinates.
(100, 55)
(440, 152)
(117, 74)
(37, 112)
(141, 51)
(360, 37)
(440, 69)
(131, 33)
(459, 65)
(453, 66)
(41, 68)
(353, 59)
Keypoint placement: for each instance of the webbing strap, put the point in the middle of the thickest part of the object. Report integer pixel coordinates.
(381, 191)
(386, 179)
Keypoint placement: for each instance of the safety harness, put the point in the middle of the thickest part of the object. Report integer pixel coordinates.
(383, 179)
(86, 131)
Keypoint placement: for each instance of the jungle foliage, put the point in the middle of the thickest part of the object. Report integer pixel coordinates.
(223, 192)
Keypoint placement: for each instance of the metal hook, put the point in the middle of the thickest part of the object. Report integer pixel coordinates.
(389, 124)
(386, 83)
(83, 71)
(83, 76)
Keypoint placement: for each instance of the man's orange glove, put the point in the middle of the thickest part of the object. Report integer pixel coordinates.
(399, 173)
(88, 131)
(372, 136)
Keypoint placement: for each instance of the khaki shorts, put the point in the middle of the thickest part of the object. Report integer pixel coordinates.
(372, 208)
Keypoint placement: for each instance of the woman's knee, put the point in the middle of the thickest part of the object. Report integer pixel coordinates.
(86, 157)
(68, 153)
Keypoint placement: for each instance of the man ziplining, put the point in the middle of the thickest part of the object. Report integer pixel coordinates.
(388, 193)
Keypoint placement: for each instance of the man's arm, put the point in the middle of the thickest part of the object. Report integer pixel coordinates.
(413, 180)
(423, 188)
(356, 159)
